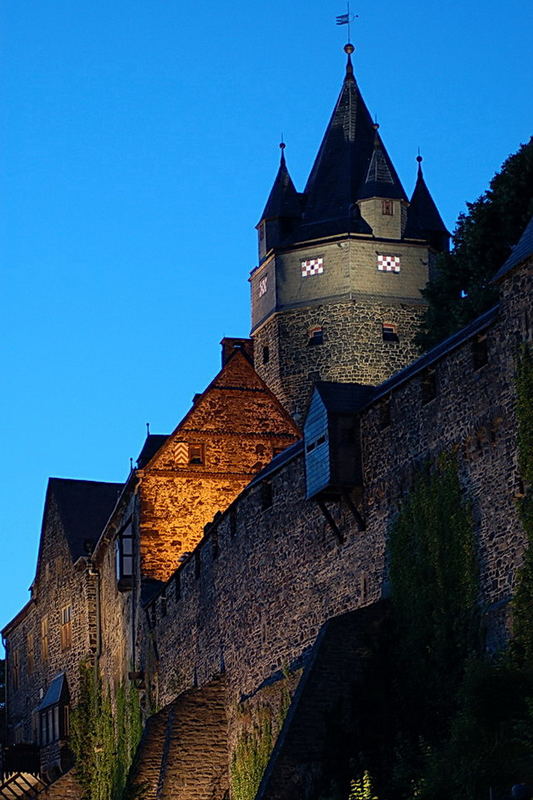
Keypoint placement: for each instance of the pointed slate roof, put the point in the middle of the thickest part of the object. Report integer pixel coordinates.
(84, 508)
(423, 216)
(381, 179)
(152, 443)
(351, 164)
(283, 200)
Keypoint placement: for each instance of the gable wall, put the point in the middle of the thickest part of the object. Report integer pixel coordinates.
(59, 583)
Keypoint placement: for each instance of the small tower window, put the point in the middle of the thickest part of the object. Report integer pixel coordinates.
(429, 385)
(316, 336)
(480, 354)
(389, 332)
(261, 231)
(387, 208)
(266, 354)
(196, 454)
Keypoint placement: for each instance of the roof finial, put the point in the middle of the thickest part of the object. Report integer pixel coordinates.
(349, 49)
(148, 429)
(282, 147)
(419, 159)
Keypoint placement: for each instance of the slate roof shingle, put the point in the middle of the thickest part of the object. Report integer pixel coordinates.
(84, 508)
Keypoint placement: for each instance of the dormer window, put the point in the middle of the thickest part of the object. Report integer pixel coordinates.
(124, 558)
(196, 454)
(387, 208)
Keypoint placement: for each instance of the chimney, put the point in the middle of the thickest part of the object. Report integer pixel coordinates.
(230, 344)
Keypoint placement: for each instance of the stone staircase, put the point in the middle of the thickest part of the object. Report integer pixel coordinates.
(22, 785)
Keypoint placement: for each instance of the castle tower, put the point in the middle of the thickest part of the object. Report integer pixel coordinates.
(336, 295)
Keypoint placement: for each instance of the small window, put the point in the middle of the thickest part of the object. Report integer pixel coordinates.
(261, 231)
(44, 639)
(266, 495)
(480, 354)
(266, 354)
(66, 627)
(384, 413)
(124, 558)
(389, 332)
(196, 454)
(316, 336)
(429, 385)
(387, 208)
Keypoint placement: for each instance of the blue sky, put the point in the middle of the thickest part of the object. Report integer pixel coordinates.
(139, 140)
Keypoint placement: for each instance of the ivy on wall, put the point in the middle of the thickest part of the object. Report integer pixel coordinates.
(523, 600)
(433, 575)
(254, 747)
(104, 738)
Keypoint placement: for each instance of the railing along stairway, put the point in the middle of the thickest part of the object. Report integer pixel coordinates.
(22, 785)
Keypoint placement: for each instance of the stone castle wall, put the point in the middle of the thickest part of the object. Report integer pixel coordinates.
(353, 347)
(58, 584)
(251, 599)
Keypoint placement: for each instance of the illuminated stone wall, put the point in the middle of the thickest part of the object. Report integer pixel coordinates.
(239, 425)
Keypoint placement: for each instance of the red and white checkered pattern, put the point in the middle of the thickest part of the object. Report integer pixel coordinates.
(388, 263)
(314, 266)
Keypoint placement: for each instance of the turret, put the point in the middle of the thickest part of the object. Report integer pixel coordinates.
(281, 211)
(423, 218)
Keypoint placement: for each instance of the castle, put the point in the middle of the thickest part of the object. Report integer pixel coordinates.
(232, 574)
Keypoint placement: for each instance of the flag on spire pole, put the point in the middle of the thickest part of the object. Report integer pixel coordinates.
(343, 19)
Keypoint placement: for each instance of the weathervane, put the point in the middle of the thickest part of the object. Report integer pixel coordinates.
(347, 19)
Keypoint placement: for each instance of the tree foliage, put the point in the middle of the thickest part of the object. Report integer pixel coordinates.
(482, 241)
